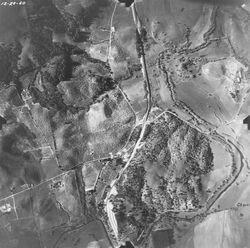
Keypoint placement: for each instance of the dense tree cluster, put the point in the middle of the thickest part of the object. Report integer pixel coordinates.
(139, 45)
(56, 70)
(166, 174)
(9, 55)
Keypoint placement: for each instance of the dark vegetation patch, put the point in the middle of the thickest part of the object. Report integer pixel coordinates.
(57, 69)
(9, 54)
(17, 166)
(103, 84)
(152, 173)
(2, 122)
(163, 238)
(88, 15)
(47, 209)
(13, 23)
(127, 245)
(45, 19)
(127, 3)
(27, 203)
(107, 110)
(247, 122)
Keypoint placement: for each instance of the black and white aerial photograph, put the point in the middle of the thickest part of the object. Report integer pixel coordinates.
(124, 123)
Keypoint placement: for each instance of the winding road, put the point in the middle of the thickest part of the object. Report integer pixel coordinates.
(109, 205)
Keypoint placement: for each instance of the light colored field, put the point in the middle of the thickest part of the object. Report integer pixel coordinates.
(237, 27)
(120, 69)
(201, 26)
(95, 116)
(108, 135)
(239, 192)
(160, 90)
(222, 167)
(210, 95)
(196, 97)
(167, 20)
(90, 173)
(135, 91)
(225, 229)
(126, 37)
(221, 230)
(99, 51)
